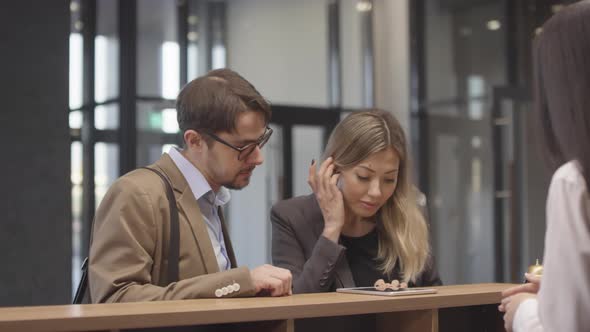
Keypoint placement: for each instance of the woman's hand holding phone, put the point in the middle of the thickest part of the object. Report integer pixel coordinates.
(323, 183)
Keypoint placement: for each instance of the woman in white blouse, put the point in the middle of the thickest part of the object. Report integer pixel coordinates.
(562, 102)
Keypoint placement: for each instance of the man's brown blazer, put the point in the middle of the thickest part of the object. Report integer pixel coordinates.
(130, 242)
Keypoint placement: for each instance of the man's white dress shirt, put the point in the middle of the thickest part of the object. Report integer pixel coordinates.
(208, 201)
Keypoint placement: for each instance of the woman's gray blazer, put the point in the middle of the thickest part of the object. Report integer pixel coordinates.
(317, 264)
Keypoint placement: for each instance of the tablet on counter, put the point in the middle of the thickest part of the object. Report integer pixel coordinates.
(387, 292)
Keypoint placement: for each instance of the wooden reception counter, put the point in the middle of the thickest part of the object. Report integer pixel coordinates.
(474, 303)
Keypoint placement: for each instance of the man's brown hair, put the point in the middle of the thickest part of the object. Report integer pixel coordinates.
(211, 103)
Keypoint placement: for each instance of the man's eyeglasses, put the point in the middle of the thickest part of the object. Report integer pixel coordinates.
(247, 149)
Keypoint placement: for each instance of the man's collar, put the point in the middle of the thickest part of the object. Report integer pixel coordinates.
(196, 181)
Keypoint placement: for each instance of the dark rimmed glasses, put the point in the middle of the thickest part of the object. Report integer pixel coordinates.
(246, 150)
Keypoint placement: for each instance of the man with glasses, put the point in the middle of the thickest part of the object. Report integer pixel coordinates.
(224, 121)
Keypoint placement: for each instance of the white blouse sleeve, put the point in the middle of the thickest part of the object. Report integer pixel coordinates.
(564, 297)
(526, 318)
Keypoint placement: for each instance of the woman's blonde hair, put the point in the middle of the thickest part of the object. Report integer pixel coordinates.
(403, 233)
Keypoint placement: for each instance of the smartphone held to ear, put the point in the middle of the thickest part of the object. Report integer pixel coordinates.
(339, 182)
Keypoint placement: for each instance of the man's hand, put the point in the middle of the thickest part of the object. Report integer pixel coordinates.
(274, 280)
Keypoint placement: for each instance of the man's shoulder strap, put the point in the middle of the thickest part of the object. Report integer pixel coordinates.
(174, 245)
(173, 251)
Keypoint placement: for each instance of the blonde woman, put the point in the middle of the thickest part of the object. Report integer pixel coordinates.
(362, 222)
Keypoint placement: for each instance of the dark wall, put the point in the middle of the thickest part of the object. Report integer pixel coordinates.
(35, 203)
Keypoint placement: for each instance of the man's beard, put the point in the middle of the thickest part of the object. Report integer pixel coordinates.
(234, 183)
(233, 186)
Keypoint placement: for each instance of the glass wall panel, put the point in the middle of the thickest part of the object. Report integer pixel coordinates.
(153, 152)
(465, 58)
(157, 49)
(76, 178)
(106, 51)
(106, 117)
(465, 50)
(196, 39)
(75, 119)
(106, 168)
(156, 126)
(281, 46)
(76, 73)
(351, 53)
(76, 99)
(157, 117)
(309, 145)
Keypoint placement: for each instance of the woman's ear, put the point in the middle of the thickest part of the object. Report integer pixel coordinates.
(336, 169)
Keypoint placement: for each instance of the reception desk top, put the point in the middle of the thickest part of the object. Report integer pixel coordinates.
(212, 311)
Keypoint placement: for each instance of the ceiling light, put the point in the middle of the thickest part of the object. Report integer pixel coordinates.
(364, 6)
(192, 36)
(79, 25)
(494, 25)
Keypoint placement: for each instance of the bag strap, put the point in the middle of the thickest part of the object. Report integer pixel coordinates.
(173, 246)
(81, 291)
